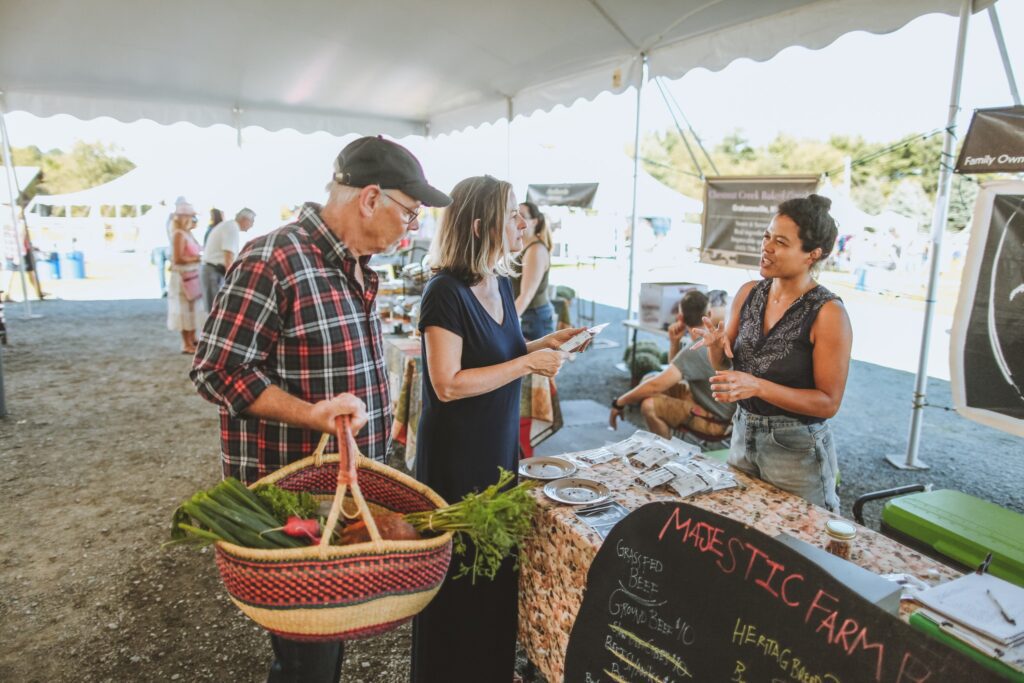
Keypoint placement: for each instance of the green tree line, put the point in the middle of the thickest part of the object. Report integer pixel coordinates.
(86, 165)
(901, 175)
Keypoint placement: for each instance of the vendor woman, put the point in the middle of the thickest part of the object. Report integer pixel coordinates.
(789, 340)
(474, 356)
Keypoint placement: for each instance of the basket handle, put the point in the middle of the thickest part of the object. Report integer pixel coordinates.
(348, 457)
(318, 454)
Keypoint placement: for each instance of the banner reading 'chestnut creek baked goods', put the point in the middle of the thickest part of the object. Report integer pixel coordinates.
(738, 209)
(987, 346)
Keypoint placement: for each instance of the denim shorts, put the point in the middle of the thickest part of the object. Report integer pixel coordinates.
(793, 456)
(538, 322)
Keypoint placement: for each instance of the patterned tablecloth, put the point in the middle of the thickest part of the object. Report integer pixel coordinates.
(557, 558)
(540, 415)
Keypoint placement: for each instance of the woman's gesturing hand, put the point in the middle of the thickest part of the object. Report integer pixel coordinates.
(729, 386)
(546, 362)
(712, 336)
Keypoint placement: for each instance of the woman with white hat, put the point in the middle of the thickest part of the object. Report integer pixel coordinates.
(185, 310)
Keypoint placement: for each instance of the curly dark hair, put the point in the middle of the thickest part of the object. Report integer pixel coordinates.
(816, 227)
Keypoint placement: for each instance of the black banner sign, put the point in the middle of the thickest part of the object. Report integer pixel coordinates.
(738, 209)
(987, 345)
(994, 142)
(677, 594)
(572, 194)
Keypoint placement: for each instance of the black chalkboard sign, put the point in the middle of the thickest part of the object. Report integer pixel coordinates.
(678, 594)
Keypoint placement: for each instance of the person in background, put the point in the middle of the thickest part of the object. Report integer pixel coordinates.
(162, 253)
(31, 276)
(294, 340)
(536, 312)
(216, 218)
(220, 251)
(185, 310)
(788, 342)
(474, 356)
(680, 396)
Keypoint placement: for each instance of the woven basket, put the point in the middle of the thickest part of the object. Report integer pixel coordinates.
(327, 592)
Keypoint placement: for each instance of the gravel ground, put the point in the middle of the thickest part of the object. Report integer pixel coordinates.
(105, 436)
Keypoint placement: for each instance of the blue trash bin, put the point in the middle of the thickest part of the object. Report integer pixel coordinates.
(54, 260)
(76, 262)
(45, 269)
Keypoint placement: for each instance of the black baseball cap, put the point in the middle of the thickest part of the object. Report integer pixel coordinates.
(376, 161)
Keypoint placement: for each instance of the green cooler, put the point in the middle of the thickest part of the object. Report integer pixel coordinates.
(955, 526)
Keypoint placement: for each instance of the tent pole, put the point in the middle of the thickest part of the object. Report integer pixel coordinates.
(636, 177)
(911, 462)
(9, 166)
(998, 31)
(508, 141)
(236, 117)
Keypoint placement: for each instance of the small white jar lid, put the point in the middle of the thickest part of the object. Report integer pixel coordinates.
(838, 528)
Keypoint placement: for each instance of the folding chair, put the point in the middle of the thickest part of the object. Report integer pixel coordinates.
(705, 441)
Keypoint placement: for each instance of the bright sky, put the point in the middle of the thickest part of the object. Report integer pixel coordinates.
(879, 86)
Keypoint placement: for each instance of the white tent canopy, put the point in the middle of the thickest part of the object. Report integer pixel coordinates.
(399, 67)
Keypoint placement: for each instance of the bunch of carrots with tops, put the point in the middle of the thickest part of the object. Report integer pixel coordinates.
(490, 525)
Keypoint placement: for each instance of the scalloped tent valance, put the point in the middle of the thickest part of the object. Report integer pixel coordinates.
(400, 68)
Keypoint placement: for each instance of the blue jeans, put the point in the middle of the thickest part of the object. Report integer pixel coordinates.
(159, 257)
(212, 279)
(538, 322)
(793, 456)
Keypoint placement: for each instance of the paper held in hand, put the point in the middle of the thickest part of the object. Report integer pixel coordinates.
(578, 340)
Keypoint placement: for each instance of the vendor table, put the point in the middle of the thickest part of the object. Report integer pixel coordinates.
(557, 558)
(540, 415)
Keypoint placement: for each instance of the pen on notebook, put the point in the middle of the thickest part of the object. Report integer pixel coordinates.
(1010, 620)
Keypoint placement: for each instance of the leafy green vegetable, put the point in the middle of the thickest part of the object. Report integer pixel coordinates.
(287, 504)
(493, 524)
(230, 512)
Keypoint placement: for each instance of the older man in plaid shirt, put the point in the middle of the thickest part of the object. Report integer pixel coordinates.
(293, 339)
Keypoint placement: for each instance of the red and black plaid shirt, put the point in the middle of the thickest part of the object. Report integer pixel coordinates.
(292, 315)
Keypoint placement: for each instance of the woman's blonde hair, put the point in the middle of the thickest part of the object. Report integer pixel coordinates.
(467, 254)
(182, 222)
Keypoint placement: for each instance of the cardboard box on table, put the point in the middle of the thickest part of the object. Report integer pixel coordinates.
(659, 301)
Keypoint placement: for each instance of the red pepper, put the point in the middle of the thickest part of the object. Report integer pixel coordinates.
(302, 528)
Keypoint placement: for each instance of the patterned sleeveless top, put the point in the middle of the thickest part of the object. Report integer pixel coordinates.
(785, 354)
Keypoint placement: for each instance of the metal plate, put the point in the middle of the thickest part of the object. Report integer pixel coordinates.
(545, 467)
(575, 491)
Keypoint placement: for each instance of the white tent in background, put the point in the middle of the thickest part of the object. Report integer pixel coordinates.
(236, 181)
(854, 221)
(614, 178)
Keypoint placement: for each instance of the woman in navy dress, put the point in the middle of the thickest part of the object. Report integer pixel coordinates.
(474, 356)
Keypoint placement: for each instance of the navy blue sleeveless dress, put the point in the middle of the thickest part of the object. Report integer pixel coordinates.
(468, 632)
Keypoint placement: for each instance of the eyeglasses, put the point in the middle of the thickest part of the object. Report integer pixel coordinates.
(409, 211)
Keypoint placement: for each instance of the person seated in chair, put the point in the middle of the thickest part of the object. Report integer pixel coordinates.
(679, 397)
